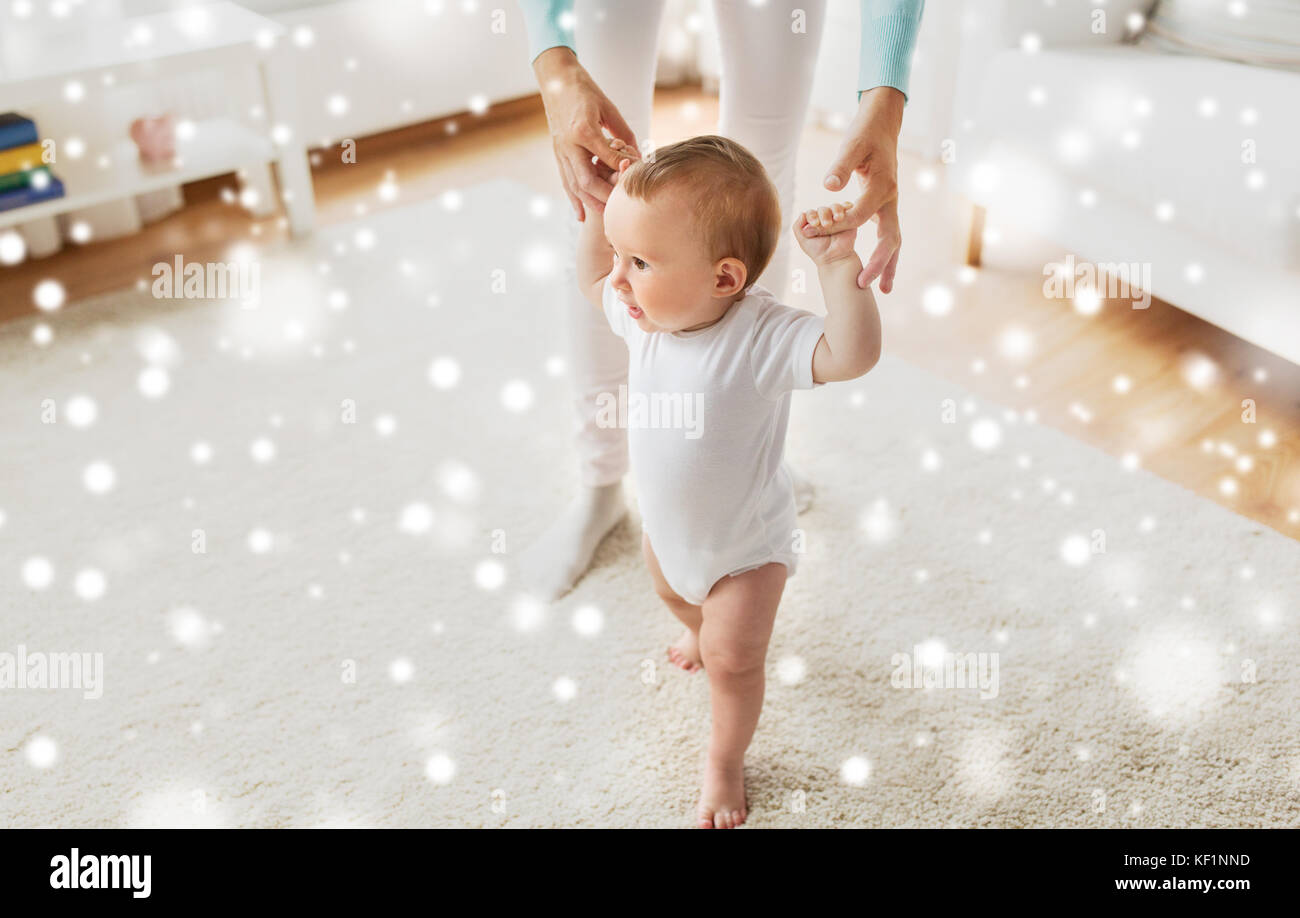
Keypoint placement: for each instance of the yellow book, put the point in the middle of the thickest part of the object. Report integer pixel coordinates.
(16, 159)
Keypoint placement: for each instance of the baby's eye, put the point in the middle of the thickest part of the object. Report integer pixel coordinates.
(639, 263)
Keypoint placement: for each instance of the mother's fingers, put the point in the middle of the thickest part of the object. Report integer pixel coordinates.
(887, 277)
(592, 187)
(890, 240)
(570, 188)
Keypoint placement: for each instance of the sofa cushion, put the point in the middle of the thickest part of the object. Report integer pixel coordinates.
(1265, 33)
(1212, 145)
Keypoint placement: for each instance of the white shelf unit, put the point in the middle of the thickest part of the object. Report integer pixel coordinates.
(150, 48)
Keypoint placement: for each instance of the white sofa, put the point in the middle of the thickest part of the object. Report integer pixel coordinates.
(1121, 154)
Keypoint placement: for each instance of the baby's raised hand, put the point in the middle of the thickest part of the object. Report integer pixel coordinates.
(832, 247)
(624, 150)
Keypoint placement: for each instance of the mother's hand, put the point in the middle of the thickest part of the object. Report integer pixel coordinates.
(576, 109)
(870, 149)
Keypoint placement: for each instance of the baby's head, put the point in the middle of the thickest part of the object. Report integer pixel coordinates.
(693, 226)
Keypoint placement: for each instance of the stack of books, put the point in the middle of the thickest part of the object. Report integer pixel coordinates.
(24, 178)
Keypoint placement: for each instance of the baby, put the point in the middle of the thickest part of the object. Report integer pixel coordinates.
(673, 261)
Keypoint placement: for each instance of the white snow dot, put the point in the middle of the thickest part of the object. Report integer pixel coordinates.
(262, 450)
(444, 373)
(153, 382)
(985, 434)
(13, 248)
(440, 769)
(937, 300)
(260, 541)
(880, 522)
(855, 771)
(201, 453)
(188, 628)
(588, 621)
(564, 688)
(489, 574)
(416, 518)
(458, 481)
(517, 395)
(1087, 301)
(401, 670)
(80, 411)
(791, 670)
(90, 584)
(1076, 550)
(38, 573)
(99, 477)
(1015, 343)
(49, 295)
(41, 751)
(527, 612)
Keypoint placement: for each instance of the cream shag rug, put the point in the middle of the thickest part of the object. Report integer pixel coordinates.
(1152, 684)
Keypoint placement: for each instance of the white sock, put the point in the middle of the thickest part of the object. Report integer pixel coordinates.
(552, 565)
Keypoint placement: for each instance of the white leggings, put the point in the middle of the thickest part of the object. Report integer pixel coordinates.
(767, 75)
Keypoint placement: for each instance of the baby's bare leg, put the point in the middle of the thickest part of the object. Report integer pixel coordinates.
(685, 653)
(738, 619)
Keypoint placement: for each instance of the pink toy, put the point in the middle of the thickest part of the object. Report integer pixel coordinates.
(155, 138)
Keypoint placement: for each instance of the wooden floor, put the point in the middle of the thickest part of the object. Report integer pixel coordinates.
(1118, 380)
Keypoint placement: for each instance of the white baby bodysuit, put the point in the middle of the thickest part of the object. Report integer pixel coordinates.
(706, 413)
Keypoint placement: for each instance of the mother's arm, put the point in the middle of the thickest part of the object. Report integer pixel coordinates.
(576, 109)
(870, 146)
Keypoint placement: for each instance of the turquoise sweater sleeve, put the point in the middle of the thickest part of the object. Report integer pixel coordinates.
(549, 24)
(889, 30)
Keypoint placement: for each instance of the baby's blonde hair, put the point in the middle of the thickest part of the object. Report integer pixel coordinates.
(737, 210)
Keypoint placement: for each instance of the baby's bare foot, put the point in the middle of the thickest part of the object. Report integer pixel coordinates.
(722, 797)
(686, 652)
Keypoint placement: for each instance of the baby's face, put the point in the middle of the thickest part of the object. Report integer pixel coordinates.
(661, 273)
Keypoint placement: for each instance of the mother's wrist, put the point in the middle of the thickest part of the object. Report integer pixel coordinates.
(883, 106)
(556, 63)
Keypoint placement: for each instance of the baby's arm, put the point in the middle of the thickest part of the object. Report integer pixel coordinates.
(595, 254)
(850, 342)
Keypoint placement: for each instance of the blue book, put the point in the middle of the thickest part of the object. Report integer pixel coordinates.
(21, 197)
(16, 131)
